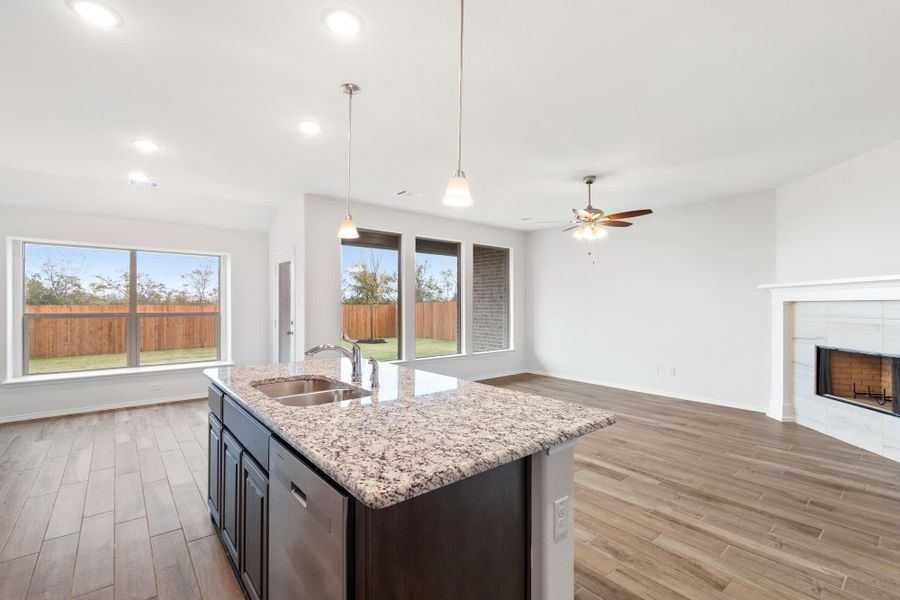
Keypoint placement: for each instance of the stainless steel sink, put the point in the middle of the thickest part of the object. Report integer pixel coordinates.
(309, 392)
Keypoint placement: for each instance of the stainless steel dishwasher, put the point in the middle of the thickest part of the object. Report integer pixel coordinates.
(307, 531)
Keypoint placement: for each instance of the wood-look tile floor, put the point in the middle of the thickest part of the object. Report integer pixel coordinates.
(680, 500)
(110, 505)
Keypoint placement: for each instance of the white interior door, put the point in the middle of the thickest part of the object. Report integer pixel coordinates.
(283, 309)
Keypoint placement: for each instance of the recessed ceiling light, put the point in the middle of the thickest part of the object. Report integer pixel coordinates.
(95, 13)
(141, 180)
(342, 22)
(309, 127)
(145, 145)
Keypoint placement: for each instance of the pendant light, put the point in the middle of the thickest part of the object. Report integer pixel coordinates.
(458, 194)
(348, 227)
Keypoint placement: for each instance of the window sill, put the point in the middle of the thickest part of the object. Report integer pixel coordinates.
(488, 352)
(441, 357)
(53, 378)
(461, 355)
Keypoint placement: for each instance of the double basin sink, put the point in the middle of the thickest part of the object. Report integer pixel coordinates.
(310, 391)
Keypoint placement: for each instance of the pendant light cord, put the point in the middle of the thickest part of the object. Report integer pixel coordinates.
(462, 14)
(349, 144)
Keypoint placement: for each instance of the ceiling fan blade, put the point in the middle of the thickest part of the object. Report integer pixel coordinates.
(629, 214)
(572, 227)
(581, 213)
(616, 223)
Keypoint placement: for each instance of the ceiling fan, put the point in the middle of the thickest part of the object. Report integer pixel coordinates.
(589, 220)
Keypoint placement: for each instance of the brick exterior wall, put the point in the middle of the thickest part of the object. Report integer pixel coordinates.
(490, 298)
(848, 368)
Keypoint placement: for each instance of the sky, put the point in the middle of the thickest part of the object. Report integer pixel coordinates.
(87, 263)
(354, 255)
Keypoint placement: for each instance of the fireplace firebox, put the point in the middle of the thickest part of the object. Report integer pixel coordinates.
(865, 379)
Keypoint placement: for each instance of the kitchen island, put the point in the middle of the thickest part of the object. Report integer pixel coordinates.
(424, 487)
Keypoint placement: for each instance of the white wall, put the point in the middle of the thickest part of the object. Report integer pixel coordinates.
(249, 307)
(677, 289)
(841, 222)
(323, 279)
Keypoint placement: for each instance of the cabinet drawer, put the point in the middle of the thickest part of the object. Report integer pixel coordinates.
(248, 431)
(215, 401)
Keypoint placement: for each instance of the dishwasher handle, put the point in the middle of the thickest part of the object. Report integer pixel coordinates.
(323, 518)
(298, 495)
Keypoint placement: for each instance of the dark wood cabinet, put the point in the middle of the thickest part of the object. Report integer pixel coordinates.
(230, 506)
(255, 527)
(214, 465)
(239, 494)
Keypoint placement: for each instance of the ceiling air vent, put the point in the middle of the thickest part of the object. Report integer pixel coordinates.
(409, 194)
(142, 181)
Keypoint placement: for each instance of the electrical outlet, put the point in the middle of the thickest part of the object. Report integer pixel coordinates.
(156, 387)
(671, 371)
(561, 518)
(655, 369)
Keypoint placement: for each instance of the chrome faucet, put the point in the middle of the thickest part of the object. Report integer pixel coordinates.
(355, 355)
(373, 382)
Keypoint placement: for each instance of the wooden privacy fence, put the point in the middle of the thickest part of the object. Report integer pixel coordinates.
(435, 320)
(365, 321)
(83, 336)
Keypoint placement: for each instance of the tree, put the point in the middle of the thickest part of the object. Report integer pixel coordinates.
(449, 281)
(427, 287)
(114, 289)
(200, 285)
(57, 282)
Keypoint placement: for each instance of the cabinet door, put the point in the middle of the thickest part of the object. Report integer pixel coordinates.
(254, 528)
(230, 507)
(214, 480)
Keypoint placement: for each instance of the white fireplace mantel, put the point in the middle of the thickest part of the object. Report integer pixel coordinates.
(784, 296)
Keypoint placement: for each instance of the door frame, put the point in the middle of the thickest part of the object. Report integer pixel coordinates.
(281, 256)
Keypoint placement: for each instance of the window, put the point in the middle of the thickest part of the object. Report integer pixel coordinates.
(91, 308)
(370, 300)
(490, 298)
(437, 298)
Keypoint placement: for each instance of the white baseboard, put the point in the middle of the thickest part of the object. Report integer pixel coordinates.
(97, 408)
(666, 394)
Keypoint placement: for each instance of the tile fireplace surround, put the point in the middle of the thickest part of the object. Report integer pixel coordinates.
(860, 315)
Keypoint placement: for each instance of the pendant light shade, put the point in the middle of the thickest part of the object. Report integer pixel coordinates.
(348, 229)
(458, 194)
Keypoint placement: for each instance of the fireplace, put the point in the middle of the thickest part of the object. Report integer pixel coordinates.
(865, 379)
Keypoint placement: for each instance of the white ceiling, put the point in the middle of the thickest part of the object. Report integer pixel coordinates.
(672, 102)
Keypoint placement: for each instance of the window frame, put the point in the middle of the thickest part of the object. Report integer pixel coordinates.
(18, 341)
(354, 243)
(460, 295)
(509, 298)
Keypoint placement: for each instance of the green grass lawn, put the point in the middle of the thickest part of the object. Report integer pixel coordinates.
(425, 347)
(111, 361)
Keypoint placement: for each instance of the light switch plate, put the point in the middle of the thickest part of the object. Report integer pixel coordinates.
(561, 518)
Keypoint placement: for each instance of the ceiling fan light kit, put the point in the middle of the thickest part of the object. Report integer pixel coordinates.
(590, 222)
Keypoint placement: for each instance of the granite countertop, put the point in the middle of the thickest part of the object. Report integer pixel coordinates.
(417, 432)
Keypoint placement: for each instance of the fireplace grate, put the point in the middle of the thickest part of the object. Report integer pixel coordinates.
(881, 397)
